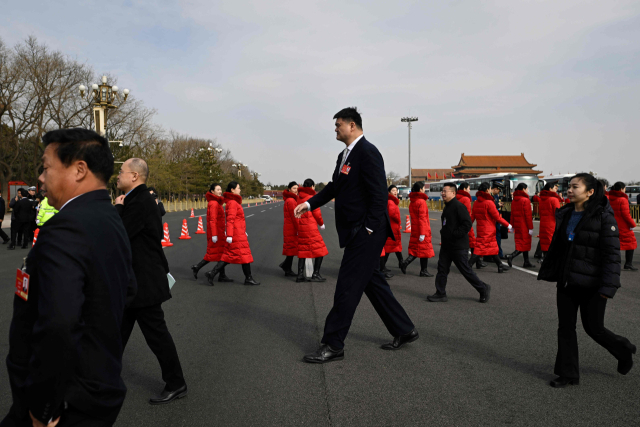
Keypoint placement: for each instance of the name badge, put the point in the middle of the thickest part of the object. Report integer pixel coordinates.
(22, 285)
(345, 169)
(444, 222)
(572, 235)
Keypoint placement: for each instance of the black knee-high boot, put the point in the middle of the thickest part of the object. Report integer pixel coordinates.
(628, 261)
(210, 275)
(527, 263)
(501, 267)
(511, 256)
(405, 263)
(399, 256)
(424, 263)
(195, 268)
(248, 279)
(538, 252)
(317, 263)
(223, 278)
(301, 277)
(286, 266)
(478, 261)
(383, 263)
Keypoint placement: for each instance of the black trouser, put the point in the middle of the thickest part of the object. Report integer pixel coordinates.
(288, 263)
(19, 231)
(459, 258)
(70, 417)
(628, 257)
(592, 306)
(360, 273)
(3, 235)
(154, 328)
(385, 258)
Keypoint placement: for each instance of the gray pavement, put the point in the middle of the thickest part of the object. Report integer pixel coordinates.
(474, 364)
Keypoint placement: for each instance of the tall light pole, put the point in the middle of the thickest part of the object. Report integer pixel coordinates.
(239, 165)
(103, 97)
(408, 120)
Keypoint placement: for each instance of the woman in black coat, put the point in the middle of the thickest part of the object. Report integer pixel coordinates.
(584, 260)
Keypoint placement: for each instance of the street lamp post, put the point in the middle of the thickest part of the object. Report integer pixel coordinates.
(239, 165)
(408, 120)
(103, 97)
(211, 150)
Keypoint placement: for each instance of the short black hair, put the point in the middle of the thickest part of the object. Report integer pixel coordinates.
(350, 114)
(497, 184)
(291, 185)
(232, 186)
(463, 185)
(483, 187)
(618, 186)
(308, 183)
(417, 186)
(452, 185)
(82, 144)
(151, 189)
(391, 187)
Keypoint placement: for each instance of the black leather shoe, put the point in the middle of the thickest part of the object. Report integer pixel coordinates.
(624, 366)
(480, 265)
(388, 275)
(317, 278)
(527, 265)
(401, 340)
(425, 273)
(211, 275)
(386, 270)
(403, 267)
(250, 281)
(510, 260)
(11, 247)
(224, 279)
(437, 297)
(562, 382)
(169, 396)
(324, 354)
(484, 296)
(630, 267)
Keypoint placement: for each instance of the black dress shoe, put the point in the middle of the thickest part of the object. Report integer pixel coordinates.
(425, 273)
(287, 273)
(250, 281)
(630, 267)
(211, 275)
(169, 396)
(401, 340)
(324, 354)
(484, 295)
(562, 382)
(224, 279)
(437, 297)
(480, 265)
(624, 366)
(317, 278)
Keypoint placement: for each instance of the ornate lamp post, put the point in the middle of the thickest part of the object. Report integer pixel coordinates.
(239, 165)
(103, 97)
(211, 150)
(408, 120)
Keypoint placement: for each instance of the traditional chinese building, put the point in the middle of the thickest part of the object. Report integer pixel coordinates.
(429, 175)
(472, 166)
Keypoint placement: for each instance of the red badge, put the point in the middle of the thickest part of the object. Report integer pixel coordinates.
(345, 169)
(22, 285)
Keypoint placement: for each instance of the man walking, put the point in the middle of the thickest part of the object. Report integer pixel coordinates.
(454, 234)
(141, 218)
(3, 209)
(362, 221)
(65, 347)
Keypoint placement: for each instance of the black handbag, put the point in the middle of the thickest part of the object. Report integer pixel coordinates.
(504, 231)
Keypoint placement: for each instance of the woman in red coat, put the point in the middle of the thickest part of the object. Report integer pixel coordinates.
(522, 221)
(619, 201)
(290, 228)
(464, 197)
(215, 232)
(236, 249)
(420, 240)
(550, 202)
(392, 246)
(485, 213)
(310, 243)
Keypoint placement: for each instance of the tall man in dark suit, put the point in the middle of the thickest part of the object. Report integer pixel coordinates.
(65, 347)
(359, 188)
(143, 223)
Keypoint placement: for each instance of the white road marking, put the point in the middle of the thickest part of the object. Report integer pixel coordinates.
(535, 273)
(249, 215)
(263, 211)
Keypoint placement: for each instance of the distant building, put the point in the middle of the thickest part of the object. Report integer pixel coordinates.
(429, 175)
(472, 166)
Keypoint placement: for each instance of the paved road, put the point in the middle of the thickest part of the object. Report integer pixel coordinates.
(475, 364)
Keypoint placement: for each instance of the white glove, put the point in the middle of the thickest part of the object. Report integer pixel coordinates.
(510, 228)
(530, 232)
(322, 227)
(422, 237)
(246, 234)
(214, 239)
(229, 239)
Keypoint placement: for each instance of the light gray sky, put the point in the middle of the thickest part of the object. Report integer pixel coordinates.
(557, 80)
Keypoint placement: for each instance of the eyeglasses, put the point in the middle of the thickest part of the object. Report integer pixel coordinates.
(121, 172)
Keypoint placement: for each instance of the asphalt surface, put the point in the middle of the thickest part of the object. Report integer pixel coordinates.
(474, 364)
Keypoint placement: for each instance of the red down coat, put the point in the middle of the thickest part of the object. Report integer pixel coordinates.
(484, 212)
(290, 229)
(396, 225)
(238, 251)
(521, 220)
(549, 203)
(420, 226)
(535, 201)
(310, 243)
(620, 203)
(215, 227)
(465, 198)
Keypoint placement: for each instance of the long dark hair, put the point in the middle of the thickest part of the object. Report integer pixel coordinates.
(417, 186)
(391, 187)
(291, 185)
(592, 184)
(521, 186)
(232, 186)
(618, 186)
(213, 186)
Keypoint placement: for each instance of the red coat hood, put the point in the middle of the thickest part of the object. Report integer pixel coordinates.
(519, 194)
(545, 194)
(394, 199)
(210, 196)
(231, 196)
(613, 194)
(417, 195)
(485, 196)
(307, 190)
(289, 195)
(463, 193)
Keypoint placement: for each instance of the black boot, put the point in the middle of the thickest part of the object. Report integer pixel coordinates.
(424, 263)
(223, 278)
(405, 263)
(301, 277)
(527, 263)
(511, 256)
(383, 263)
(195, 268)
(210, 275)
(248, 279)
(542, 256)
(628, 261)
(399, 257)
(501, 267)
(316, 271)
(286, 267)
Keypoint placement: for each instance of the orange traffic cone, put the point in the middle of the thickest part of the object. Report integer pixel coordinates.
(185, 231)
(200, 229)
(166, 241)
(192, 215)
(407, 227)
(35, 236)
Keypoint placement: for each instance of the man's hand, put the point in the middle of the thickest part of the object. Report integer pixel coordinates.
(229, 239)
(422, 237)
(300, 210)
(120, 200)
(214, 239)
(37, 423)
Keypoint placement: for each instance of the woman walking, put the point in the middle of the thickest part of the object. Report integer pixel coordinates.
(215, 232)
(420, 241)
(392, 246)
(550, 201)
(464, 197)
(236, 248)
(310, 243)
(290, 228)
(486, 214)
(620, 204)
(584, 260)
(522, 221)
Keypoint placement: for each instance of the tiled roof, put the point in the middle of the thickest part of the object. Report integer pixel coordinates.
(501, 170)
(488, 161)
(423, 172)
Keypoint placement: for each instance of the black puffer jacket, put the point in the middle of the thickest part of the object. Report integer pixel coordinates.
(592, 260)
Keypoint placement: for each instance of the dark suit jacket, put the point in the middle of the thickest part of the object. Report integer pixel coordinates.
(141, 219)
(23, 210)
(3, 209)
(65, 341)
(361, 196)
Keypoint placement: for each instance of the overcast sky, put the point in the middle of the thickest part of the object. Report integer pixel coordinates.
(557, 80)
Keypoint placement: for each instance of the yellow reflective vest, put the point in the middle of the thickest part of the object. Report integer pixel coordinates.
(46, 212)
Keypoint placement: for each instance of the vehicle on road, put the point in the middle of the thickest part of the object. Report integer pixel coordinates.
(266, 198)
(509, 180)
(632, 191)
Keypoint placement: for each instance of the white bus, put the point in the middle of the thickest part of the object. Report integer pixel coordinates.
(509, 180)
(562, 180)
(632, 191)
